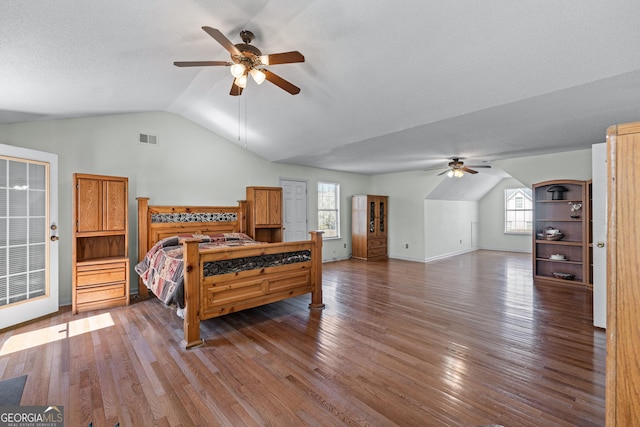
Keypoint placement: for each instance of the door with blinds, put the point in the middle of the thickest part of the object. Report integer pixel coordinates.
(28, 234)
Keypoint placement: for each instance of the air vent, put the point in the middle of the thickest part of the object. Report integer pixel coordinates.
(148, 139)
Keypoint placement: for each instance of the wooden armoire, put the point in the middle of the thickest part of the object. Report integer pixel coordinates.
(264, 213)
(369, 226)
(100, 249)
(623, 275)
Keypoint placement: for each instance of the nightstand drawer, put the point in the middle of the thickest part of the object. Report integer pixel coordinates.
(94, 274)
(101, 293)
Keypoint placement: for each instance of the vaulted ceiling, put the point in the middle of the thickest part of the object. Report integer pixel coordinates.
(387, 86)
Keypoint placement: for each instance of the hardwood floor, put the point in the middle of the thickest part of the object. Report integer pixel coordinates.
(464, 341)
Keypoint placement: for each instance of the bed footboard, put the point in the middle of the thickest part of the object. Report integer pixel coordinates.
(222, 281)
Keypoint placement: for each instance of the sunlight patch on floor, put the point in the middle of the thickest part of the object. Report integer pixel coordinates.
(59, 332)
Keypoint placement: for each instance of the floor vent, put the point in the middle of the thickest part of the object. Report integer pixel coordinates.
(148, 139)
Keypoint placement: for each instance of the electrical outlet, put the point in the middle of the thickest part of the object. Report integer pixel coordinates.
(345, 246)
(460, 241)
(406, 246)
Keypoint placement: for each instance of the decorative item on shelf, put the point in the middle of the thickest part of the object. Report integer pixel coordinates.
(540, 234)
(558, 257)
(564, 276)
(557, 192)
(553, 233)
(575, 208)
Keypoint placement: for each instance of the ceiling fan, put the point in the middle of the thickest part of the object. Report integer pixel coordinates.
(246, 60)
(457, 168)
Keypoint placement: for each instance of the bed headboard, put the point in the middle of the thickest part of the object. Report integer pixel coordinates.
(157, 222)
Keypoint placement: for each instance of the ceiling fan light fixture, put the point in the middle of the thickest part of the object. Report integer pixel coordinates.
(237, 70)
(450, 173)
(458, 173)
(258, 76)
(241, 81)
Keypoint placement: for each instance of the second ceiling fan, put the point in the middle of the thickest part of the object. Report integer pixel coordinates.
(246, 60)
(457, 168)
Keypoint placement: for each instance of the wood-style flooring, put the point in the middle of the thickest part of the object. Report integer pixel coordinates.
(463, 341)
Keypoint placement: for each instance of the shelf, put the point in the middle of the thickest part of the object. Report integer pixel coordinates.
(577, 280)
(560, 261)
(100, 260)
(560, 201)
(559, 242)
(558, 220)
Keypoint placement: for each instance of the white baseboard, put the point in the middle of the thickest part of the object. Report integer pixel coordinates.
(437, 257)
(506, 250)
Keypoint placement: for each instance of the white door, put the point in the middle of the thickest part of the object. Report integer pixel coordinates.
(294, 194)
(599, 234)
(28, 234)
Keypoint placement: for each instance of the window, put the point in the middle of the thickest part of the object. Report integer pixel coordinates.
(518, 210)
(329, 209)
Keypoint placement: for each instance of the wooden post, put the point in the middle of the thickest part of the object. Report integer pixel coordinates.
(242, 216)
(316, 270)
(192, 273)
(143, 238)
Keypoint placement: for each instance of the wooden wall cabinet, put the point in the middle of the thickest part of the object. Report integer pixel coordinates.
(574, 245)
(100, 262)
(264, 213)
(369, 226)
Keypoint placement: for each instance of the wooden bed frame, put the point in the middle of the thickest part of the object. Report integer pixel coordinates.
(213, 296)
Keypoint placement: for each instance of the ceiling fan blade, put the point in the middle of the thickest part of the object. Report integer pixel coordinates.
(443, 172)
(223, 40)
(466, 169)
(280, 82)
(480, 166)
(235, 89)
(285, 58)
(201, 63)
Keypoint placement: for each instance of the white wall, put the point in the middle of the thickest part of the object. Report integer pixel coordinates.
(491, 233)
(408, 211)
(190, 165)
(525, 172)
(406, 192)
(450, 228)
(533, 169)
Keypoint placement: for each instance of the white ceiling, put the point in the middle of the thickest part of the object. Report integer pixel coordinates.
(387, 86)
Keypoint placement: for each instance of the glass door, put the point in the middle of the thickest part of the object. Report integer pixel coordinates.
(28, 235)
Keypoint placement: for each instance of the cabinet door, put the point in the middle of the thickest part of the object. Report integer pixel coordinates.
(89, 204)
(275, 207)
(261, 208)
(377, 216)
(115, 198)
(268, 207)
(382, 216)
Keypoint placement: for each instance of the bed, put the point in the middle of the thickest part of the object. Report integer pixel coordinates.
(221, 271)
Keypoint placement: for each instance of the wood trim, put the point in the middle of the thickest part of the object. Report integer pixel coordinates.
(192, 290)
(316, 270)
(143, 208)
(611, 363)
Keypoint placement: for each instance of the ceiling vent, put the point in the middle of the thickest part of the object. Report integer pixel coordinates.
(148, 139)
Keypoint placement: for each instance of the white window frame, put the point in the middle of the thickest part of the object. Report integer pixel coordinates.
(526, 210)
(334, 188)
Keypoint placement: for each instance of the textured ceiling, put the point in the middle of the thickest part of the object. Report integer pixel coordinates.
(387, 86)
